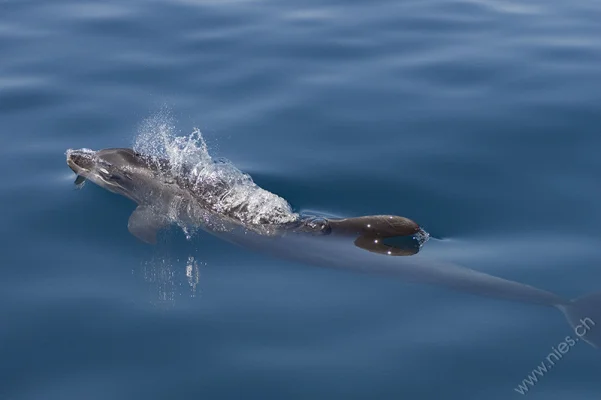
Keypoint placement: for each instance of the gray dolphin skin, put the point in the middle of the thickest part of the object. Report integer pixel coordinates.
(166, 195)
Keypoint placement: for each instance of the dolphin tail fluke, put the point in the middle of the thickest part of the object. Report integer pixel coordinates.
(584, 315)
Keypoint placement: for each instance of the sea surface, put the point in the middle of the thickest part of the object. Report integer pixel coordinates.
(479, 119)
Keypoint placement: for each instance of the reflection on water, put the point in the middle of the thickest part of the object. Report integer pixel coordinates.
(193, 275)
(170, 279)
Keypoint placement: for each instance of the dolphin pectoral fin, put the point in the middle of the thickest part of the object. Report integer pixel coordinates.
(144, 224)
(79, 181)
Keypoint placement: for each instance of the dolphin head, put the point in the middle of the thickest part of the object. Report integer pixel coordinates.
(120, 170)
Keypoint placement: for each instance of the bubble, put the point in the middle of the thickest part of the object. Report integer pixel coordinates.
(223, 188)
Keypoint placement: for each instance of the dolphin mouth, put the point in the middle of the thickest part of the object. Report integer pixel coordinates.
(81, 161)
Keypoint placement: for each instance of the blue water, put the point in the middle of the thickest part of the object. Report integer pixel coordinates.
(479, 119)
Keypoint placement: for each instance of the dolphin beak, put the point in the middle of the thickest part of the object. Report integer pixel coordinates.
(81, 161)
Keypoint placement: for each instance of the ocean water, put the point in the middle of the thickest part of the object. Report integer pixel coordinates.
(479, 119)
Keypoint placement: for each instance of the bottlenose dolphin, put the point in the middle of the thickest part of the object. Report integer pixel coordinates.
(165, 196)
(168, 194)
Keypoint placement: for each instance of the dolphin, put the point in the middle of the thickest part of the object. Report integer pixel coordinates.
(166, 194)
(165, 197)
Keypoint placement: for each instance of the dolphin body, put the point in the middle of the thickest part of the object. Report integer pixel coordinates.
(166, 196)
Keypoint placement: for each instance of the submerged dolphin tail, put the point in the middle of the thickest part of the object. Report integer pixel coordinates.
(584, 315)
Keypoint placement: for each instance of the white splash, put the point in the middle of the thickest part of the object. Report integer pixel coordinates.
(422, 237)
(225, 188)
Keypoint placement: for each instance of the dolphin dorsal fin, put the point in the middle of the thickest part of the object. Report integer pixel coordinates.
(144, 223)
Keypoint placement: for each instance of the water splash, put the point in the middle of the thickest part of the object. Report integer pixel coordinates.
(160, 273)
(192, 275)
(225, 189)
(155, 133)
(167, 278)
(422, 237)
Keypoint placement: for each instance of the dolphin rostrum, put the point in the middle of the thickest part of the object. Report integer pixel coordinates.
(232, 207)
